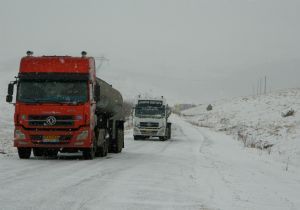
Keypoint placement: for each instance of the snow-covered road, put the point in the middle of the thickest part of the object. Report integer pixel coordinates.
(196, 169)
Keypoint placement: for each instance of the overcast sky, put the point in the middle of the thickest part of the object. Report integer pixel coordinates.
(190, 51)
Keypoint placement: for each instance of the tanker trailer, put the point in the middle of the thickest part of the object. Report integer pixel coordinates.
(110, 118)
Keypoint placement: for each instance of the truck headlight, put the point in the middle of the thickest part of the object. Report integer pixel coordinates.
(83, 135)
(137, 124)
(19, 135)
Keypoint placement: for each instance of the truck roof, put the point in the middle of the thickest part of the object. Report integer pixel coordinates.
(58, 64)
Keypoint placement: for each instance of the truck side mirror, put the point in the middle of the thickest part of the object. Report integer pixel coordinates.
(10, 90)
(97, 92)
(9, 98)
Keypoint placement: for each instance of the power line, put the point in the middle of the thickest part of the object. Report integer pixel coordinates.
(102, 59)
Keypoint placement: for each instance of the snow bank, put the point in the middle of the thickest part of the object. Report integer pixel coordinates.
(7, 110)
(257, 121)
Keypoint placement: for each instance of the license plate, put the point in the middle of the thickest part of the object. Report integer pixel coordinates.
(51, 139)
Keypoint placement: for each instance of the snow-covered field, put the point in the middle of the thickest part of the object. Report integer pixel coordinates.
(7, 111)
(257, 122)
(196, 169)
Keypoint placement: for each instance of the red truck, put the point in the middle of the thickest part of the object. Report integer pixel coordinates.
(61, 106)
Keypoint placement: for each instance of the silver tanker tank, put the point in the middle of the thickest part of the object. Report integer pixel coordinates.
(110, 100)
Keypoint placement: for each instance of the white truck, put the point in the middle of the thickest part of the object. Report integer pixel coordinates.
(150, 118)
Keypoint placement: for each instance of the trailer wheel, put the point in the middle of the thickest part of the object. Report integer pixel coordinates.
(169, 130)
(119, 141)
(24, 153)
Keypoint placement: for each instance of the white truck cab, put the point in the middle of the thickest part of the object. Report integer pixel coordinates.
(150, 118)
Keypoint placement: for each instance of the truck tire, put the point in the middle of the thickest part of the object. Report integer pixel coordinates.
(37, 152)
(117, 144)
(169, 135)
(119, 141)
(89, 153)
(24, 153)
(163, 138)
(169, 130)
(102, 150)
(140, 137)
(52, 153)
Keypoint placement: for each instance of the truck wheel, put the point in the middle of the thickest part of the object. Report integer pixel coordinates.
(102, 150)
(162, 138)
(37, 152)
(120, 141)
(143, 137)
(136, 137)
(52, 153)
(169, 134)
(169, 130)
(89, 154)
(24, 153)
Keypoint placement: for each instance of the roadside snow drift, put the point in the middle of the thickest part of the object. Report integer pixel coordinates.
(258, 122)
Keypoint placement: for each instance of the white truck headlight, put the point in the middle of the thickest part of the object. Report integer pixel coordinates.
(83, 135)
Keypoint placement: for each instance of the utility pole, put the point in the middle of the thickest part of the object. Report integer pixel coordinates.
(260, 86)
(265, 85)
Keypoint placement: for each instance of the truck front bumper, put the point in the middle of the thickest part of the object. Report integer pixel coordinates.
(151, 132)
(80, 138)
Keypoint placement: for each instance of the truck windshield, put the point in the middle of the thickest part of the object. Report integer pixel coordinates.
(53, 91)
(150, 112)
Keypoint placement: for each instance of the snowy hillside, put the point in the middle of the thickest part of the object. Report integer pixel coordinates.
(257, 122)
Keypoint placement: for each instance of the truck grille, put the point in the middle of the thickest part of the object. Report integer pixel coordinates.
(39, 139)
(149, 124)
(46, 120)
(145, 132)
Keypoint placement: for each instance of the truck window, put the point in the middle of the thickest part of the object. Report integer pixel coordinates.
(53, 91)
(149, 111)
